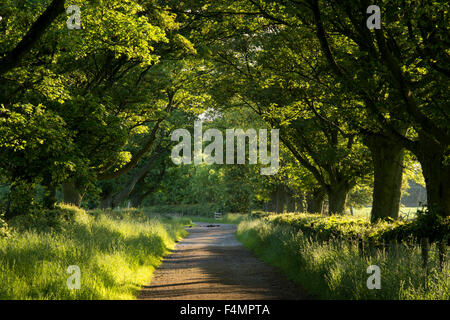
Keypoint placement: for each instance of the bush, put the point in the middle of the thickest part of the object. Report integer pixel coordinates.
(45, 220)
(349, 228)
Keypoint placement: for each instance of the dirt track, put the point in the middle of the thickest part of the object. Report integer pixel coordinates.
(210, 264)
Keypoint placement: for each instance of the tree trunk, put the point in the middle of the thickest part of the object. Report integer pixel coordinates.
(315, 201)
(50, 196)
(299, 203)
(106, 201)
(280, 200)
(290, 202)
(72, 193)
(134, 179)
(437, 176)
(387, 158)
(337, 196)
(136, 199)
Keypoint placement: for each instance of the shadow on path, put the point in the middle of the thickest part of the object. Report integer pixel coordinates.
(210, 264)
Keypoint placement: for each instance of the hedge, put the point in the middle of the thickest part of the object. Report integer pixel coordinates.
(324, 228)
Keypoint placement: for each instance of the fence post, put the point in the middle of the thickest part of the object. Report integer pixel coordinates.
(394, 246)
(442, 249)
(425, 244)
(361, 246)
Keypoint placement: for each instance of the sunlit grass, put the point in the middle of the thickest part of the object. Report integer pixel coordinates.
(338, 271)
(116, 255)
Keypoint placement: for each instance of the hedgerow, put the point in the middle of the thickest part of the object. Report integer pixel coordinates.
(324, 228)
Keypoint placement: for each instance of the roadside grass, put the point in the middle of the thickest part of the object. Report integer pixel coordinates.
(334, 270)
(116, 251)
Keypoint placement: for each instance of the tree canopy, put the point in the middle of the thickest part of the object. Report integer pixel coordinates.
(88, 112)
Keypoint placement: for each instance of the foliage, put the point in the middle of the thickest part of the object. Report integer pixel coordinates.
(57, 220)
(348, 228)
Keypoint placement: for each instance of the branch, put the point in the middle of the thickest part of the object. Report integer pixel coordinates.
(138, 156)
(12, 59)
(304, 161)
(126, 191)
(425, 123)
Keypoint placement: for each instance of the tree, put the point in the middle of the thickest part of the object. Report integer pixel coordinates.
(397, 72)
(307, 115)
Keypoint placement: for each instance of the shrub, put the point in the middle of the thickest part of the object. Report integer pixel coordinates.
(349, 228)
(45, 220)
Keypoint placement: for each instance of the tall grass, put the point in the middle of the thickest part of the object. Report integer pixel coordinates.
(115, 252)
(334, 270)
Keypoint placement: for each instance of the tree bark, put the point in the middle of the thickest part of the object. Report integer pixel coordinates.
(290, 202)
(50, 196)
(72, 193)
(279, 200)
(106, 201)
(315, 201)
(387, 157)
(436, 172)
(136, 199)
(140, 174)
(337, 197)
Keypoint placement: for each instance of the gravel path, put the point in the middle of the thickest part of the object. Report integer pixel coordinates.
(210, 264)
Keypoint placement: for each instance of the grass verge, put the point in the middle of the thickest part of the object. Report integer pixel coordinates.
(115, 251)
(336, 270)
